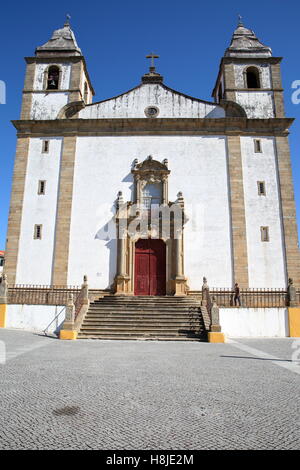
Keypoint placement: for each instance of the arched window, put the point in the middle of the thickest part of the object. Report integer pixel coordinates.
(152, 195)
(86, 92)
(53, 78)
(252, 77)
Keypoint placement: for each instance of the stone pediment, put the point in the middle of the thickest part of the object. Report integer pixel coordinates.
(152, 100)
(151, 170)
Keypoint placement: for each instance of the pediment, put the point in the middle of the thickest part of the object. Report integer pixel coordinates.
(135, 103)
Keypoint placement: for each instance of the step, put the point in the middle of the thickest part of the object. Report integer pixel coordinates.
(132, 321)
(139, 338)
(139, 332)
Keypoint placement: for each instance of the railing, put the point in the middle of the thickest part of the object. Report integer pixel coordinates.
(41, 294)
(55, 319)
(254, 298)
(79, 302)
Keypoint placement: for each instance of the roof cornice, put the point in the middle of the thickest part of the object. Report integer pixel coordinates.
(145, 126)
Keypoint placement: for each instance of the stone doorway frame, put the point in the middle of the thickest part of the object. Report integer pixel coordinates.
(176, 283)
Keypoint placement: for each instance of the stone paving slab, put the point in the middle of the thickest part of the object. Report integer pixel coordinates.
(92, 394)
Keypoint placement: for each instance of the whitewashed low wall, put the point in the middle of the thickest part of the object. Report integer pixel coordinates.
(254, 322)
(35, 317)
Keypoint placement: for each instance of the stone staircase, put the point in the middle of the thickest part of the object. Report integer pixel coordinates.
(145, 318)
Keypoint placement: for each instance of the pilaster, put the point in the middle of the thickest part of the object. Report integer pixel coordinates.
(15, 211)
(237, 208)
(63, 216)
(289, 222)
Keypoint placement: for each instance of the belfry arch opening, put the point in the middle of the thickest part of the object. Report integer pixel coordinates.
(252, 77)
(53, 77)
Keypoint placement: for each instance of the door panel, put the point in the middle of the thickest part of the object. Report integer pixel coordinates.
(150, 267)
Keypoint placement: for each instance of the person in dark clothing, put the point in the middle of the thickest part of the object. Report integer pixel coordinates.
(237, 298)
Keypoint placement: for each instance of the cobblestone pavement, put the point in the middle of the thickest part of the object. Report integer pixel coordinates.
(148, 395)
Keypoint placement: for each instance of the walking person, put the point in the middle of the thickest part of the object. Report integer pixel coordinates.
(237, 298)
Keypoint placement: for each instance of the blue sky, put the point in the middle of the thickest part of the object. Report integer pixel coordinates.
(190, 36)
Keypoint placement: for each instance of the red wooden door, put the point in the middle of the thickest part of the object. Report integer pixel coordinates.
(150, 267)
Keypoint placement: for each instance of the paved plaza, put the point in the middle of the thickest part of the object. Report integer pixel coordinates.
(91, 394)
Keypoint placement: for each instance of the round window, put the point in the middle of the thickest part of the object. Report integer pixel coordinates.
(152, 111)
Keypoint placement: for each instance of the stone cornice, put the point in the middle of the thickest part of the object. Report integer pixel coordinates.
(145, 126)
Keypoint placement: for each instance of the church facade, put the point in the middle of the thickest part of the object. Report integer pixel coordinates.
(149, 191)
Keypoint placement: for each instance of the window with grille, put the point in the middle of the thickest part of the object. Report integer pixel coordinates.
(264, 234)
(257, 146)
(152, 195)
(45, 146)
(42, 187)
(261, 188)
(37, 232)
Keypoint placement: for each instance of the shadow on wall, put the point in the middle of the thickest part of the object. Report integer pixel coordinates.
(107, 235)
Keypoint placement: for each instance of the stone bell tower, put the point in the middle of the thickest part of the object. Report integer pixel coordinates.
(57, 84)
(250, 76)
(55, 77)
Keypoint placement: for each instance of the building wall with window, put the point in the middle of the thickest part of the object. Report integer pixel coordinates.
(227, 161)
(266, 260)
(103, 167)
(36, 254)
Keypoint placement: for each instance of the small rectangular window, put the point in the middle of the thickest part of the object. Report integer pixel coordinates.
(42, 187)
(264, 234)
(257, 146)
(261, 188)
(45, 146)
(37, 232)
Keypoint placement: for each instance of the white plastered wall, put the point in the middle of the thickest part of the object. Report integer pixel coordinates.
(257, 104)
(35, 317)
(35, 256)
(266, 263)
(254, 322)
(133, 103)
(48, 104)
(198, 167)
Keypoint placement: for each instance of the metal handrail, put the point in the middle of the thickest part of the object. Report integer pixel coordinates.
(55, 318)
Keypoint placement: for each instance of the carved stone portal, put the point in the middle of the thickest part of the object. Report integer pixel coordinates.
(150, 215)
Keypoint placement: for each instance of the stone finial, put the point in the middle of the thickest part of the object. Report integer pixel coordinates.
(120, 200)
(180, 199)
(205, 286)
(85, 289)
(135, 163)
(166, 162)
(67, 22)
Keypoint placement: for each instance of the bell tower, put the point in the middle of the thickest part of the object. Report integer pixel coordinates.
(55, 77)
(250, 76)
